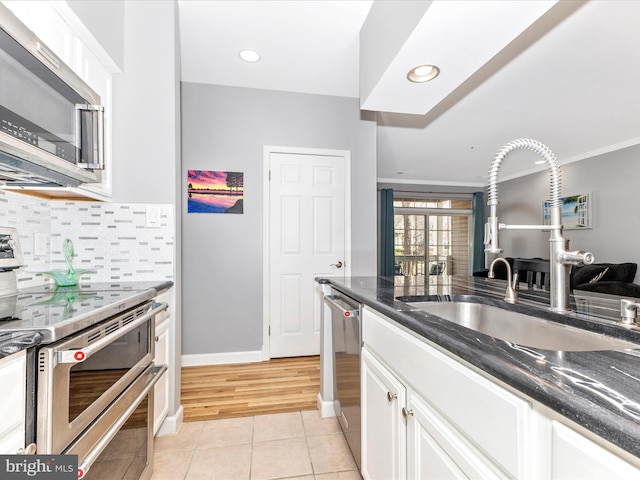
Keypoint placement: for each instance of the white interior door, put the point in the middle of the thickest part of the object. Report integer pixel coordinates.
(307, 216)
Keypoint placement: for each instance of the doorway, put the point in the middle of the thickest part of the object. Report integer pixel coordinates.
(432, 238)
(306, 224)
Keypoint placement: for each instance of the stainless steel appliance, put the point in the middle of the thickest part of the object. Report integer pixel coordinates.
(347, 342)
(94, 373)
(82, 375)
(51, 122)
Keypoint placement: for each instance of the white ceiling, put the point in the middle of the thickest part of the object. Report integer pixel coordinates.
(571, 79)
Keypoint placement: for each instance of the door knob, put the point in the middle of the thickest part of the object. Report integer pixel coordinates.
(337, 265)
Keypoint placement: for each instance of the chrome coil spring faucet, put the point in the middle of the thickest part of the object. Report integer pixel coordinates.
(560, 257)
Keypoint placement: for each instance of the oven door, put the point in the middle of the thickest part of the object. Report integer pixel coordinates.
(80, 376)
(119, 444)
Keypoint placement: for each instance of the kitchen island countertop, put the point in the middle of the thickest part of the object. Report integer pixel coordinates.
(599, 390)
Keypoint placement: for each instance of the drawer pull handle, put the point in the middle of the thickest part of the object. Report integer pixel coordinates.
(407, 413)
(391, 396)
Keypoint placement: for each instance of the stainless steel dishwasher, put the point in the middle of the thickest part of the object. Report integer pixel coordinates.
(347, 341)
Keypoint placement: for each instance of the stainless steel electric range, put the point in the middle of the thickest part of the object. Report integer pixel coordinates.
(93, 372)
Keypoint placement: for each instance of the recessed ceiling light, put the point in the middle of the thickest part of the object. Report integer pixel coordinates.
(423, 73)
(250, 56)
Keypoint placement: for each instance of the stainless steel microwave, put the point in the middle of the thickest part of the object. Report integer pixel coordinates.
(51, 122)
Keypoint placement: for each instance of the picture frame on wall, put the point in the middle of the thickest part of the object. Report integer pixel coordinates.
(213, 191)
(576, 212)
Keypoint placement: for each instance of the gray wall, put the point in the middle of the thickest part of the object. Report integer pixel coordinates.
(226, 128)
(611, 179)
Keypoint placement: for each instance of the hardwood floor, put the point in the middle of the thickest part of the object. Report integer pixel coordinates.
(238, 390)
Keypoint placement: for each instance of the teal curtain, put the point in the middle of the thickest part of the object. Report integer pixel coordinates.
(478, 232)
(386, 263)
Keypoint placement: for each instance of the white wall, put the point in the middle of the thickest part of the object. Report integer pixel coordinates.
(611, 180)
(146, 120)
(226, 128)
(145, 99)
(105, 20)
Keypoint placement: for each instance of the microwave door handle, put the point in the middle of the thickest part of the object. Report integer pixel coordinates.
(100, 134)
(93, 455)
(81, 354)
(97, 111)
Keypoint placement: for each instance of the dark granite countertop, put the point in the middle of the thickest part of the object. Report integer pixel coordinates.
(599, 390)
(34, 306)
(11, 343)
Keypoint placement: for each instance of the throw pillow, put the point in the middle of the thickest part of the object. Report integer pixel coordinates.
(612, 288)
(582, 275)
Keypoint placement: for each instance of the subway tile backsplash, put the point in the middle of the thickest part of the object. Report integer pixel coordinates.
(121, 242)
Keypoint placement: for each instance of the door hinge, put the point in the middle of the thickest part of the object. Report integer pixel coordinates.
(269, 175)
(269, 330)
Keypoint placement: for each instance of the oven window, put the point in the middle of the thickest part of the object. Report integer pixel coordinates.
(93, 377)
(126, 455)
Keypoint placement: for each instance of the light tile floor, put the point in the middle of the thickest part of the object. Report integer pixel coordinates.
(293, 446)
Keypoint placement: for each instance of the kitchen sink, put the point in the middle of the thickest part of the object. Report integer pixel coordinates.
(521, 329)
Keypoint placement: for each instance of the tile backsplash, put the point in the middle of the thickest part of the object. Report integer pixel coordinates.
(121, 242)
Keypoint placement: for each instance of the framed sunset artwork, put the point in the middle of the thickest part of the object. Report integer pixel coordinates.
(215, 192)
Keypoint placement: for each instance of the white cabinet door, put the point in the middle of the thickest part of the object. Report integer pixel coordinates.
(161, 389)
(13, 371)
(574, 456)
(426, 459)
(435, 451)
(383, 428)
(306, 212)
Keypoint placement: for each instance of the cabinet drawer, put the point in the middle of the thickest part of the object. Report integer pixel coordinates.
(495, 420)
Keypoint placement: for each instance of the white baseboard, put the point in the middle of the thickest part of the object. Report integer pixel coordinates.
(171, 423)
(325, 407)
(221, 358)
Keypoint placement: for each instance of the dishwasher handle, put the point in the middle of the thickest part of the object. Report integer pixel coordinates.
(332, 300)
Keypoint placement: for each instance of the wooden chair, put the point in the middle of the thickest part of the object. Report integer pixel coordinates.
(535, 271)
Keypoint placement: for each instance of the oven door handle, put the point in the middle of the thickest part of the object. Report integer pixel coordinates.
(78, 355)
(95, 452)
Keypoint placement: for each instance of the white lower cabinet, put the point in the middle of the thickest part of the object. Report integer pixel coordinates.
(457, 423)
(13, 370)
(383, 429)
(404, 437)
(161, 388)
(427, 415)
